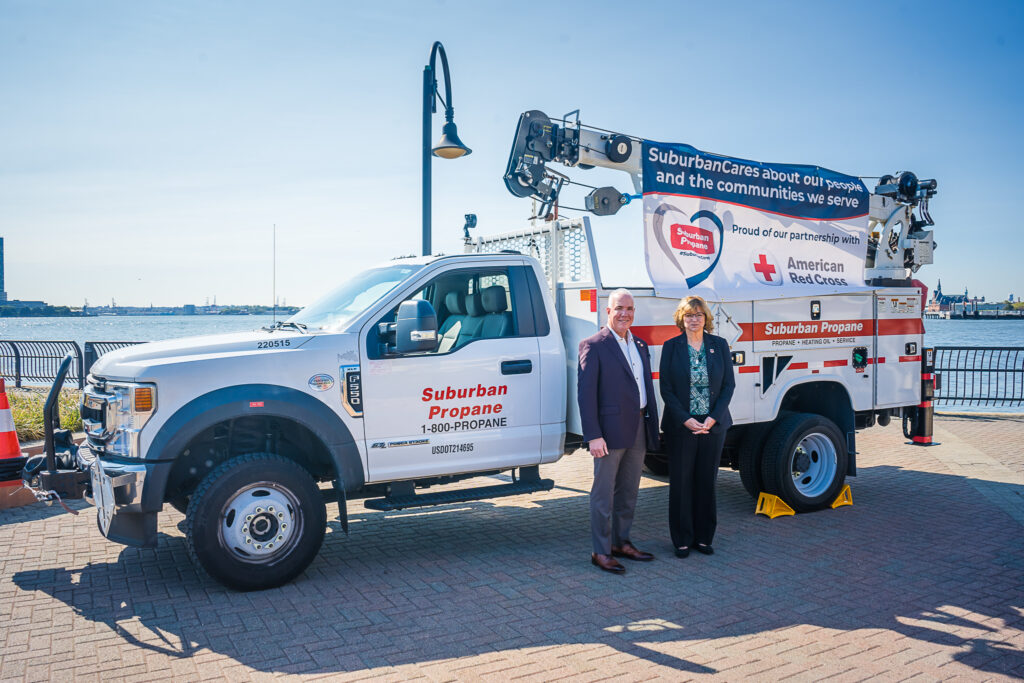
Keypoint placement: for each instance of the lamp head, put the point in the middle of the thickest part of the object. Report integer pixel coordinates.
(450, 146)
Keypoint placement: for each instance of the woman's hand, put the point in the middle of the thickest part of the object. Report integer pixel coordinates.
(696, 427)
(709, 422)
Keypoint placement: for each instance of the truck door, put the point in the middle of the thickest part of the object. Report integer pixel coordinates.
(473, 403)
(899, 334)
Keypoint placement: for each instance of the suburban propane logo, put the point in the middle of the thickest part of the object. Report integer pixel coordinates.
(694, 240)
(462, 409)
(733, 229)
(812, 332)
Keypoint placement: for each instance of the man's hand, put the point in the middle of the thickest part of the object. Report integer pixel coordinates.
(695, 427)
(598, 448)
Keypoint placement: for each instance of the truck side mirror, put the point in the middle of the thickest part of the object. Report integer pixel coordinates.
(416, 327)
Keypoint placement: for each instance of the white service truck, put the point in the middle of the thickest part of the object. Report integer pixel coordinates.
(422, 372)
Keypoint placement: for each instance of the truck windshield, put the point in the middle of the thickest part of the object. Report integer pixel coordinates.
(353, 297)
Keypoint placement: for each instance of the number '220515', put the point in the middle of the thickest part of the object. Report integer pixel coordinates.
(273, 344)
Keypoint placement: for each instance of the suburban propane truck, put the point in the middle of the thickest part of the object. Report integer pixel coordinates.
(423, 372)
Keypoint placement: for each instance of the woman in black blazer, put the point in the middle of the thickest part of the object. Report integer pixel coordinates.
(697, 383)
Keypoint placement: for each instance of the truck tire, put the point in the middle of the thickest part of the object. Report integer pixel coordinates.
(179, 503)
(255, 522)
(748, 458)
(656, 463)
(804, 461)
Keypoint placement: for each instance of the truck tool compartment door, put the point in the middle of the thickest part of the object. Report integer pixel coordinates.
(471, 404)
(827, 338)
(899, 332)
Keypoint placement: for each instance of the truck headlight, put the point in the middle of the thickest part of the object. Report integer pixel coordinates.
(129, 407)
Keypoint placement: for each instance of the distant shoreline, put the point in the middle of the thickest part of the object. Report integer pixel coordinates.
(59, 312)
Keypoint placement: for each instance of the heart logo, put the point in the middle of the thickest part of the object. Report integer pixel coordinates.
(690, 244)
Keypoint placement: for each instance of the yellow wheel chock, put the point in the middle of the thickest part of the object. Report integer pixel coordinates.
(772, 506)
(845, 497)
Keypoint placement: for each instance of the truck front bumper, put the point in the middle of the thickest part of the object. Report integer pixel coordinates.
(125, 513)
(116, 489)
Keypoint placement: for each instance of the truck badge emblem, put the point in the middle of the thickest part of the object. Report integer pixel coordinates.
(352, 389)
(321, 382)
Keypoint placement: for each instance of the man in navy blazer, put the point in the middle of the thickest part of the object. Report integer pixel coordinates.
(620, 423)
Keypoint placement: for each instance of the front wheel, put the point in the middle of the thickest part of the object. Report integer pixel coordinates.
(256, 522)
(804, 461)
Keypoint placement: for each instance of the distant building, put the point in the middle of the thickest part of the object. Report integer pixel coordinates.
(15, 303)
(958, 303)
(947, 302)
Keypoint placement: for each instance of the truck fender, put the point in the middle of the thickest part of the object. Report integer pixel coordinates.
(250, 400)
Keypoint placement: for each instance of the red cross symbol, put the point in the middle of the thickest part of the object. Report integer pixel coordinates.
(766, 269)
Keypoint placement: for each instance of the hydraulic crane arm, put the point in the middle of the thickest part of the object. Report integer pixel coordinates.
(897, 241)
(540, 140)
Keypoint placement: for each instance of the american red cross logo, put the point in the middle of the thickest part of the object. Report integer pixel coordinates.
(764, 268)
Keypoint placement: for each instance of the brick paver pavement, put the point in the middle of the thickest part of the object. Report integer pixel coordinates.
(923, 577)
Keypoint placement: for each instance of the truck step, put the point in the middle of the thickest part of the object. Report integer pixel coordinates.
(402, 495)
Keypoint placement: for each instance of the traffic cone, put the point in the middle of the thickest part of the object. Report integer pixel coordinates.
(11, 459)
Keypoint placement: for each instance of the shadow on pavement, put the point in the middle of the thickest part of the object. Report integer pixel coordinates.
(918, 554)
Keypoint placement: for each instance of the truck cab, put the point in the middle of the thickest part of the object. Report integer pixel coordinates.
(415, 372)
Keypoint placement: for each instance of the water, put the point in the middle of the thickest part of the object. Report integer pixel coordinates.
(128, 327)
(974, 332)
(155, 328)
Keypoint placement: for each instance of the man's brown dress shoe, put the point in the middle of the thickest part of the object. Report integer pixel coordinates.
(607, 563)
(630, 552)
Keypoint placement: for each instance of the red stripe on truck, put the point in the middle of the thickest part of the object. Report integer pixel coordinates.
(901, 326)
(806, 329)
(655, 335)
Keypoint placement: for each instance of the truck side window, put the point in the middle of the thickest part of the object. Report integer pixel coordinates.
(471, 304)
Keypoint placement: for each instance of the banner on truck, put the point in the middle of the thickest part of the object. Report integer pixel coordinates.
(731, 229)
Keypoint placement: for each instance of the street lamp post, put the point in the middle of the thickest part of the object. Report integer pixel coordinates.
(449, 146)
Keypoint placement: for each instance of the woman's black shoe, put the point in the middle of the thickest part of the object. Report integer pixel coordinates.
(683, 552)
(705, 549)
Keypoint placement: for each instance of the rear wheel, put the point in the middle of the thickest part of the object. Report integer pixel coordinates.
(656, 463)
(256, 522)
(748, 458)
(804, 461)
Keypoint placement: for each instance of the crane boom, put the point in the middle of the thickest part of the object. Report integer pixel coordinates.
(898, 242)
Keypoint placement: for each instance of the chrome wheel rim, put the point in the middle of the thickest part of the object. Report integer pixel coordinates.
(814, 464)
(260, 523)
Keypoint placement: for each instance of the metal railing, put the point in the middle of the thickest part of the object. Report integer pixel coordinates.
(980, 375)
(36, 362)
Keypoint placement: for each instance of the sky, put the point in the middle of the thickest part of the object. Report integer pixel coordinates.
(148, 149)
